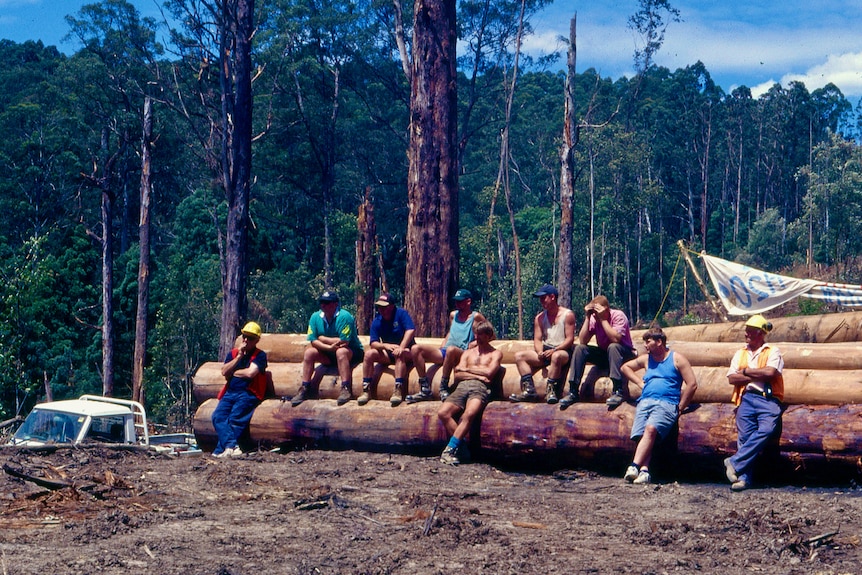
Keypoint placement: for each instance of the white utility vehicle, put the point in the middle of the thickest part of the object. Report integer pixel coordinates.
(94, 418)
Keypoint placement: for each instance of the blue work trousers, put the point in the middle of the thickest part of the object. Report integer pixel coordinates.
(231, 417)
(757, 420)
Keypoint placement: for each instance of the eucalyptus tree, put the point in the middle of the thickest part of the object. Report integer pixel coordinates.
(216, 65)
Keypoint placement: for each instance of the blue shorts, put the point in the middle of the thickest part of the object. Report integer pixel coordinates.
(660, 414)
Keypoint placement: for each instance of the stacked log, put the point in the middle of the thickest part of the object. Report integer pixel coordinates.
(822, 424)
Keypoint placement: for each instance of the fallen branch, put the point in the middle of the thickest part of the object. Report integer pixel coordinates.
(40, 481)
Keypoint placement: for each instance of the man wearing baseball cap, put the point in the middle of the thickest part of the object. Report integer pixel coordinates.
(758, 389)
(333, 341)
(390, 341)
(459, 338)
(553, 336)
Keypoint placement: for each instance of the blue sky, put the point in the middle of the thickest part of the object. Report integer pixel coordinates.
(750, 42)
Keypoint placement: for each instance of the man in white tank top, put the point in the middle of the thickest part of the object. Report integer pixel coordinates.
(553, 337)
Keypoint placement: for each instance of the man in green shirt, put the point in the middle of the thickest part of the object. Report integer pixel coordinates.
(332, 340)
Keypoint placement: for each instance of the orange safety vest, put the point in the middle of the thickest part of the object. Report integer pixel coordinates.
(776, 385)
(257, 385)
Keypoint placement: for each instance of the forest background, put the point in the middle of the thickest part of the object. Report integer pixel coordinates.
(774, 182)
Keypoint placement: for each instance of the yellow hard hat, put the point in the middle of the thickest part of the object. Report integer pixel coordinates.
(252, 329)
(759, 322)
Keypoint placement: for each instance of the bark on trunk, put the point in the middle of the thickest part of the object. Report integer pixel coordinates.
(567, 175)
(144, 261)
(432, 227)
(365, 263)
(543, 436)
(235, 77)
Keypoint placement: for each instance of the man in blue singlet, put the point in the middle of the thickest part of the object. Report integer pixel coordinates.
(459, 338)
(662, 399)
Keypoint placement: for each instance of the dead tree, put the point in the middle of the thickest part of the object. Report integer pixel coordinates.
(144, 259)
(567, 175)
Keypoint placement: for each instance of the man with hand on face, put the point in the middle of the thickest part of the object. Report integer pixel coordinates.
(613, 336)
(244, 370)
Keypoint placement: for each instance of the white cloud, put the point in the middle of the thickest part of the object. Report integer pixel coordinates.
(843, 70)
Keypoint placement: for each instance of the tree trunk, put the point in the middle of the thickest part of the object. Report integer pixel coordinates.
(107, 293)
(567, 174)
(432, 187)
(235, 77)
(365, 263)
(144, 261)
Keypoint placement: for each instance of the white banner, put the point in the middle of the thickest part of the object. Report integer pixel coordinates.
(744, 290)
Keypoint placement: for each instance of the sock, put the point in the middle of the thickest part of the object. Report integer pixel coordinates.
(454, 442)
(399, 382)
(306, 384)
(444, 382)
(366, 383)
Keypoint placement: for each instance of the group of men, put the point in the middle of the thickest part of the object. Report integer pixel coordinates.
(470, 363)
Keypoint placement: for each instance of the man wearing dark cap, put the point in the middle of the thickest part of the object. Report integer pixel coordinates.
(613, 348)
(553, 336)
(459, 338)
(391, 337)
(332, 340)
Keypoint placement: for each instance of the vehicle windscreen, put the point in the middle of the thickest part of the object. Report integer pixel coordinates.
(49, 426)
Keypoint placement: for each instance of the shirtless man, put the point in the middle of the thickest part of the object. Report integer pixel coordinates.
(473, 376)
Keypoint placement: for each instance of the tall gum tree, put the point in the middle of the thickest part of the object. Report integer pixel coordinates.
(432, 179)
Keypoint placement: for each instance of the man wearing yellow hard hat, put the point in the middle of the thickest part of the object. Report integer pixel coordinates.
(244, 370)
(758, 389)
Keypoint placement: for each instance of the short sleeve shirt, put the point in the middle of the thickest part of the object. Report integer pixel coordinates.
(391, 332)
(342, 326)
(620, 322)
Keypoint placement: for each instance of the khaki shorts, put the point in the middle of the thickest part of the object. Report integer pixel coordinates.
(469, 389)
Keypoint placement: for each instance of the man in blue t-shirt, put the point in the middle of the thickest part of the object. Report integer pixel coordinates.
(332, 340)
(391, 338)
(662, 399)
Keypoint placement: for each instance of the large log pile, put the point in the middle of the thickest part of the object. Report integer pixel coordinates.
(822, 425)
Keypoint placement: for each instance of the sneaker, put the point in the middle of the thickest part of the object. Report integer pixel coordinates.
(528, 393)
(449, 456)
(423, 395)
(631, 473)
(444, 392)
(551, 396)
(235, 452)
(300, 396)
(364, 398)
(643, 478)
(729, 471)
(740, 485)
(396, 398)
(569, 400)
(345, 395)
(615, 400)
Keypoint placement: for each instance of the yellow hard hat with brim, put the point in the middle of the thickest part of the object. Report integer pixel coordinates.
(252, 329)
(759, 322)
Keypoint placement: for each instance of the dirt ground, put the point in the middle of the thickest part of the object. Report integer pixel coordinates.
(319, 512)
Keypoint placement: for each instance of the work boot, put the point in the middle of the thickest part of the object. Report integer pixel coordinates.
(300, 396)
(528, 392)
(551, 396)
(569, 400)
(615, 400)
(424, 392)
(397, 397)
(364, 398)
(345, 395)
(444, 391)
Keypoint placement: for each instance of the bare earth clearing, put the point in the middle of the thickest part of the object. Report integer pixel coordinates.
(349, 512)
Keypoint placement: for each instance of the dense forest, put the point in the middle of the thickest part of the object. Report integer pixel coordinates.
(663, 156)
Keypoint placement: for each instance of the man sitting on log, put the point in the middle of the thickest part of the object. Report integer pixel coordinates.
(244, 370)
(615, 347)
(333, 341)
(391, 338)
(553, 336)
(662, 399)
(473, 376)
(459, 338)
(758, 388)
